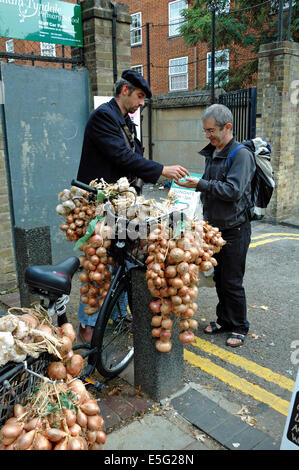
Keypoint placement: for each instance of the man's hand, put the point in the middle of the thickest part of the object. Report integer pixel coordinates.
(188, 183)
(174, 172)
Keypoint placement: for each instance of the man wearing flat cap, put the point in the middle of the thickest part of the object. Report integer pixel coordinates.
(110, 147)
(111, 150)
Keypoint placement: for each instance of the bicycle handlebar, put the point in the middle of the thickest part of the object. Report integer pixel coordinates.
(84, 186)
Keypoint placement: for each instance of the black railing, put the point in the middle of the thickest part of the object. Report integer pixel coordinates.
(242, 104)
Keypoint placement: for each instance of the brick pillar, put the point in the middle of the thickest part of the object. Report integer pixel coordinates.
(278, 114)
(97, 16)
(7, 260)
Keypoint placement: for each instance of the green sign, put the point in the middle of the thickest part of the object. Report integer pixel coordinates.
(42, 20)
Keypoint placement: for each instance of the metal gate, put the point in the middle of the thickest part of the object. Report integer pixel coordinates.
(242, 104)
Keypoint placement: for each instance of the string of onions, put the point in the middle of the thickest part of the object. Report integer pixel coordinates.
(173, 266)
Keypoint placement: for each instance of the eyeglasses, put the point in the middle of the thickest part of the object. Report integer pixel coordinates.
(212, 131)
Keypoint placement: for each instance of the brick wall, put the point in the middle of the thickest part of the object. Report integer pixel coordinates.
(278, 69)
(7, 264)
(163, 47)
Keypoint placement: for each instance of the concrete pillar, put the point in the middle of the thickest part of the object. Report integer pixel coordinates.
(97, 16)
(158, 374)
(33, 248)
(278, 117)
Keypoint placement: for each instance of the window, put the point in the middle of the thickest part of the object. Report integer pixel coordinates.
(138, 68)
(178, 74)
(221, 64)
(274, 6)
(175, 17)
(223, 6)
(9, 46)
(48, 49)
(136, 29)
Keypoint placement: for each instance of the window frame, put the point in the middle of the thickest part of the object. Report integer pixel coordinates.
(137, 28)
(217, 67)
(135, 67)
(170, 75)
(175, 19)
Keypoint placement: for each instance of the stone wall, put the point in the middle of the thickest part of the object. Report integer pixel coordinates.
(7, 262)
(278, 111)
(177, 133)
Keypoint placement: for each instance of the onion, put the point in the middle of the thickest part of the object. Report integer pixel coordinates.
(10, 432)
(75, 364)
(100, 437)
(156, 320)
(54, 435)
(170, 271)
(155, 306)
(75, 443)
(45, 329)
(81, 418)
(90, 407)
(29, 319)
(67, 329)
(186, 336)
(163, 346)
(193, 324)
(78, 387)
(156, 332)
(32, 424)
(66, 345)
(70, 417)
(62, 445)
(165, 334)
(56, 371)
(167, 323)
(41, 443)
(18, 410)
(83, 276)
(24, 441)
(176, 255)
(75, 429)
(95, 422)
(176, 300)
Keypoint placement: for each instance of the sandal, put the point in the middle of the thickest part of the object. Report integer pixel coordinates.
(238, 336)
(215, 329)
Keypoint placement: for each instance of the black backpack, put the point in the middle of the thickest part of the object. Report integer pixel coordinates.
(263, 183)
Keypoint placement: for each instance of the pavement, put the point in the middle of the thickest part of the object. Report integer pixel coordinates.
(193, 419)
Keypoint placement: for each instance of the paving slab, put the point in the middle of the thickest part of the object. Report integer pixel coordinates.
(227, 429)
(149, 433)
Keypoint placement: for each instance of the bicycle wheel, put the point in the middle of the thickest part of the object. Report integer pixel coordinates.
(113, 333)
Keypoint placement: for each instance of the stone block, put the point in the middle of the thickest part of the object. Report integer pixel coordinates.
(158, 374)
(32, 247)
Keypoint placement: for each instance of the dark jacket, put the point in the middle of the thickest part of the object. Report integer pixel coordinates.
(105, 153)
(226, 193)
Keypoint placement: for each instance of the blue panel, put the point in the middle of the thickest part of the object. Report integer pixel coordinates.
(46, 110)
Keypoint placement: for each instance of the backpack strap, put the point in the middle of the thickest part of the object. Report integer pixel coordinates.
(232, 154)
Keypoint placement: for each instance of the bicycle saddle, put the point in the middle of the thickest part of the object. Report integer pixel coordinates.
(53, 278)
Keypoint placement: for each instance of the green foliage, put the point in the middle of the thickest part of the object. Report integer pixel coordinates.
(242, 30)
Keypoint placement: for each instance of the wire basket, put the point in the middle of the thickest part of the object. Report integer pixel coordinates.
(17, 384)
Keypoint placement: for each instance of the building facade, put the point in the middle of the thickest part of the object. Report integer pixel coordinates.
(174, 66)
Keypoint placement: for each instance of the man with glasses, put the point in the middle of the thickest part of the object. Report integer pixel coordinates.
(226, 198)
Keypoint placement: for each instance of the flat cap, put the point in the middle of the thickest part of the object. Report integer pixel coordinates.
(137, 80)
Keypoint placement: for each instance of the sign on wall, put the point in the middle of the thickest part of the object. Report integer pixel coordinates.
(42, 20)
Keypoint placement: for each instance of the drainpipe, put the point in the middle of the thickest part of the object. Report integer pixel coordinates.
(114, 40)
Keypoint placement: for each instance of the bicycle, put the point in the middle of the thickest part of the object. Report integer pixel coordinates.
(111, 347)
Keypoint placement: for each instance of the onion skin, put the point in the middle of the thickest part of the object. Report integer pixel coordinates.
(74, 365)
(70, 417)
(56, 371)
(90, 408)
(67, 329)
(54, 435)
(163, 346)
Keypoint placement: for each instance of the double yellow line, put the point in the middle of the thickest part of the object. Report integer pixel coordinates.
(277, 236)
(257, 392)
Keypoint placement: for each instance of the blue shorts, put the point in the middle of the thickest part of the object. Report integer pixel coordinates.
(90, 320)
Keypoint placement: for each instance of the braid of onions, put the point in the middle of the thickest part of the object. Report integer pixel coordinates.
(173, 266)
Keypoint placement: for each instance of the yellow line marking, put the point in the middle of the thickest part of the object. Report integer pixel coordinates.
(271, 240)
(250, 366)
(258, 393)
(275, 235)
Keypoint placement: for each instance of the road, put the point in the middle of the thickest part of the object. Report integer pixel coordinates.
(259, 376)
